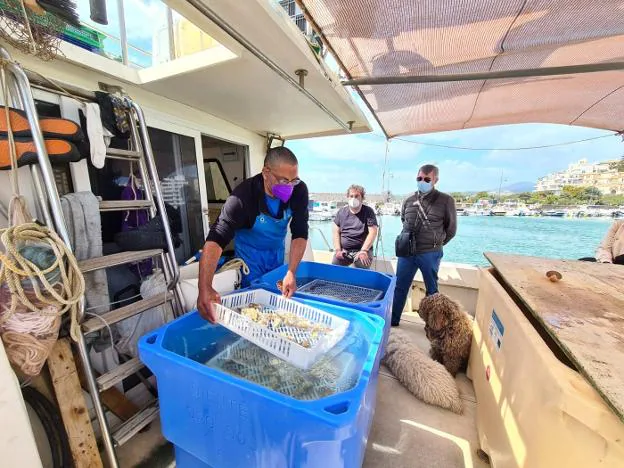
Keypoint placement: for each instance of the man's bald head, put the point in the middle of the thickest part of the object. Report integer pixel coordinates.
(280, 155)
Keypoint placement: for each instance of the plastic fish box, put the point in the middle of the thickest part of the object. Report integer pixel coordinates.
(216, 420)
(340, 276)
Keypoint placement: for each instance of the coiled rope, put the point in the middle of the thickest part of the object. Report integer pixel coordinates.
(62, 296)
(235, 264)
(30, 305)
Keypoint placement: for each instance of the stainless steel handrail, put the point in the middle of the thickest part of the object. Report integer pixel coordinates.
(151, 167)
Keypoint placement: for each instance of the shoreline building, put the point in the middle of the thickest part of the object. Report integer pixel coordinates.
(602, 175)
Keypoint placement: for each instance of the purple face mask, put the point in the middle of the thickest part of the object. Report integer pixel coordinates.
(282, 191)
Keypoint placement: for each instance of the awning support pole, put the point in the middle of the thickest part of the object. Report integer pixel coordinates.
(492, 75)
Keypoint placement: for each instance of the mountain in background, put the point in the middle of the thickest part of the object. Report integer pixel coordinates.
(518, 187)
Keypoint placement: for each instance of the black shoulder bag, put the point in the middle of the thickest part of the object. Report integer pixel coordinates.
(405, 243)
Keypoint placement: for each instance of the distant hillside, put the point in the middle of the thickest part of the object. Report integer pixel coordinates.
(519, 187)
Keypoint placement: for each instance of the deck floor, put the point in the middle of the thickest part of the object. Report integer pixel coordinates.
(406, 432)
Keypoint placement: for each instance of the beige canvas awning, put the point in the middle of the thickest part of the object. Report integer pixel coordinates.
(390, 38)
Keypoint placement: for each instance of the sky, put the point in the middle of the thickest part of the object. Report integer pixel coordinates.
(331, 164)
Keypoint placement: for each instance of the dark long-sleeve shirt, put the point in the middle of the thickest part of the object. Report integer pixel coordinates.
(247, 201)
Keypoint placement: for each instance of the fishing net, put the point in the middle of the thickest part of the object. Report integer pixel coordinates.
(30, 32)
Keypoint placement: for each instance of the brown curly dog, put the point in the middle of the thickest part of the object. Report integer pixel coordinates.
(449, 329)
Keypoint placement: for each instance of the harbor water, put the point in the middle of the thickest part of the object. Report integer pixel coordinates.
(563, 238)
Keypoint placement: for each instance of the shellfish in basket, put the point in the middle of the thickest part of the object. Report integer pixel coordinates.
(291, 326)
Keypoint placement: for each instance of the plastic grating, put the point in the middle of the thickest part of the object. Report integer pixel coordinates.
(341, 291)
(330, 375)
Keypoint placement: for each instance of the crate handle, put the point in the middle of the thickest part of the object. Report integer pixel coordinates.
(372, 318)
(338, 408)
(152, 339)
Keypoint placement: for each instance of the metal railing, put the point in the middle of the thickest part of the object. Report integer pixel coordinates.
(123, 37)
(329, 247)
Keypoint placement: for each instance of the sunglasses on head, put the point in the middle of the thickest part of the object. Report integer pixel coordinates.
(426, 179)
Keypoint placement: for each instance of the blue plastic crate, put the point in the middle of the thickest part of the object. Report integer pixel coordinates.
(216, 420)
(309, 271)
(186, 460)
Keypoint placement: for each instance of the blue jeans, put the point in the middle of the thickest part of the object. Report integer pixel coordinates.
(429, 264)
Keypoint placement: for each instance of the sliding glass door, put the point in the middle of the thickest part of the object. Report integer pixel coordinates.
(176, 162)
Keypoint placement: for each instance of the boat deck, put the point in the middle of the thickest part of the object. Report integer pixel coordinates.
(406, 432)
(409, 433)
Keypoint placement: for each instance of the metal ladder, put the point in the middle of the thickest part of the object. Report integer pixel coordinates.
(141, 153)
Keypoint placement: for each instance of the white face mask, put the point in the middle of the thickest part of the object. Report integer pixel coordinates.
(354, 203)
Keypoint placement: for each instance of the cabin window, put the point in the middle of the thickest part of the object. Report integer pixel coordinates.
(140, 33)
(290, 7)
(176, 163)
(217, 186)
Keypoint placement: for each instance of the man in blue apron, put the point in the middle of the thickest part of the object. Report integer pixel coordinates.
(256, 216)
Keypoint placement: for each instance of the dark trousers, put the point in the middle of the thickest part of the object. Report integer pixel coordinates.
(429, 264)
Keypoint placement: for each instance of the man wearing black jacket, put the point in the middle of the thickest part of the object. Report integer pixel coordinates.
(429, 222)
(257, 215)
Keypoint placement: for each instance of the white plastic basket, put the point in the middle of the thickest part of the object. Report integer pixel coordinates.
(274, 342)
